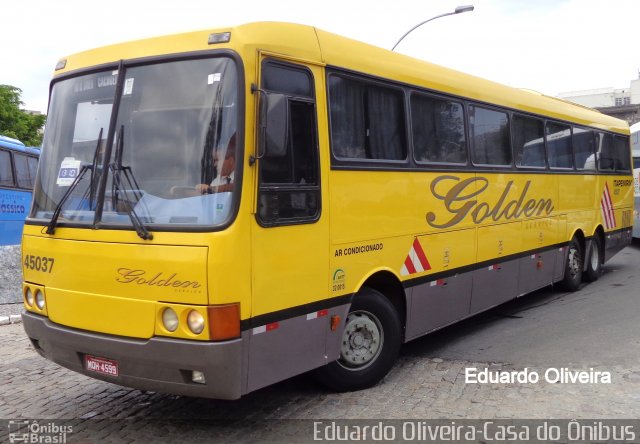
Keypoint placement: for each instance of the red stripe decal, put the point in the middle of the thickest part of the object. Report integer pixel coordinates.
(607, 208)
(607, 196)
(613, 214)
(421, 256)
(410, 268)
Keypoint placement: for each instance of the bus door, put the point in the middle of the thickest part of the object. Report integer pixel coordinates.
(290, 232)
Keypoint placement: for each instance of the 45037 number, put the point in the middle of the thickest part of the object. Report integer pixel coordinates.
(39, 263)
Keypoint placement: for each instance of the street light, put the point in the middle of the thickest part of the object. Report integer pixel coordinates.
(458, 10)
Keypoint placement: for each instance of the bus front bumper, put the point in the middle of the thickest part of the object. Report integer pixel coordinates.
(158, 364)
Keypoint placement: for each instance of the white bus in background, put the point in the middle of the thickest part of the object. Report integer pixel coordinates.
(635, 146)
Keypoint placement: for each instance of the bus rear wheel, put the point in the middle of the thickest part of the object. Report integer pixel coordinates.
(594, 261)
(369, 345)
(573, 267)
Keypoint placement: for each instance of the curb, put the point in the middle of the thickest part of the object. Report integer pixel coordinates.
(11, 319)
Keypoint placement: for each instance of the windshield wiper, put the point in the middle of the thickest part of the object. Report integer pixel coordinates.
(116, 168)
(51, 227)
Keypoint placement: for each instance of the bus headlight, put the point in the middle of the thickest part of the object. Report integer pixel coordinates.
(40, 299)
(170, 319)
(28, 295)
(195, 321)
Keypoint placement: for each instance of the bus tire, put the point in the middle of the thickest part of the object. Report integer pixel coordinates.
(573, 267)
(594, 261)
(369, 346)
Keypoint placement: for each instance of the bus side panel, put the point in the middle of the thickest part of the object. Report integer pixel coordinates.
(561, 259)
(497, 281)
(616, 208)
(439, 302)
(14, 206)
(578, 193)
(494, 284)
(283, 349)
(616, 241)
(537, 269)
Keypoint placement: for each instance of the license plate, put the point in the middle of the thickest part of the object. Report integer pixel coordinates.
(101, 365)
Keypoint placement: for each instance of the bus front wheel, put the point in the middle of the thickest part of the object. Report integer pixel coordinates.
(573, 267)
(369, 345)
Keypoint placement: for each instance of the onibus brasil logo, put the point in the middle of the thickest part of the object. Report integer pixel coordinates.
(32, 431)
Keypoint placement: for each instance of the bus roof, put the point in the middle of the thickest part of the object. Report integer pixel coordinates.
(320, 47)
(16, 145)
(10, 142)
(634, 128)
(32, 150)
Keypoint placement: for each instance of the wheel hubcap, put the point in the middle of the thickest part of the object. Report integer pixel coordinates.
(361, 341)
(574, 262)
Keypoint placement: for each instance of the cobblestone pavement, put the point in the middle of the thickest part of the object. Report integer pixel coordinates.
(420, 386)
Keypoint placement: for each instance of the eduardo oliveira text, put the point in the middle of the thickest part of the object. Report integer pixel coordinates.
(473, 375)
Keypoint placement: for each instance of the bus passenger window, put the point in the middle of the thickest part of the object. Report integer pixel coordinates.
(367, 120)
(438, 130)
(528, 142)
(606, 157)
(489, 132)
(584, 149)
(559, 149)
(621, 153)
(23, 173)
(6, 174)
(33, 168)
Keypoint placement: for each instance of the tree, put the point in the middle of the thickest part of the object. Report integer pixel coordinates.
(17, 123)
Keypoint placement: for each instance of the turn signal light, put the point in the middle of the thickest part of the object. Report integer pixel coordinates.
(335, 322)
(224, 321)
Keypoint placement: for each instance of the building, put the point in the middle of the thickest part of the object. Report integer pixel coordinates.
(623, 103)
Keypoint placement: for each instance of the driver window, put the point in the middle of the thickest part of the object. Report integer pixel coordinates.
(289, 190)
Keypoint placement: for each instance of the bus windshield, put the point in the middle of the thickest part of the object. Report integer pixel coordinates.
(172, 128)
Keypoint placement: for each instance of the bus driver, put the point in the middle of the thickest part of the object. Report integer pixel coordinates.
(224, 164)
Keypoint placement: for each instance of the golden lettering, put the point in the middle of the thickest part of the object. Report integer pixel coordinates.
(139, 277)
(460, 201)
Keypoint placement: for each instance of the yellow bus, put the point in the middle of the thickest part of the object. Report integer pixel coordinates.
(221, 210)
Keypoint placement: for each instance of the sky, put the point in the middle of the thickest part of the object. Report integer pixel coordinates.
(551, 46)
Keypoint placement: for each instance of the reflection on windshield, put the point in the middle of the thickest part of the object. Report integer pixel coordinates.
(170, 147)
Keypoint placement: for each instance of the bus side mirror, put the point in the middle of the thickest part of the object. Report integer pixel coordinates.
(274, 118)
